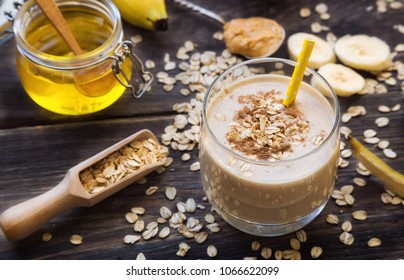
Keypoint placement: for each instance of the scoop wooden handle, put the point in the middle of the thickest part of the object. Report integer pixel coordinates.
(52, 12)
(25, 218)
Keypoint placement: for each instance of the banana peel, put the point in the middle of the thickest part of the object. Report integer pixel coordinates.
(148, 14)
(392, 180)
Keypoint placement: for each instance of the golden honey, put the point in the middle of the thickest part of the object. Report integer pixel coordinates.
(53, 76)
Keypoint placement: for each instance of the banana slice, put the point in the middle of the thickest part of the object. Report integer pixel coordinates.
(363, 52)
(343, 80)
(322, 52)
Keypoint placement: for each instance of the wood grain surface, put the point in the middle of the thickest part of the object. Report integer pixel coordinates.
(38, 147)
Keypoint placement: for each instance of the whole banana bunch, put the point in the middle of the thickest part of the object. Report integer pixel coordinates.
(148, 14)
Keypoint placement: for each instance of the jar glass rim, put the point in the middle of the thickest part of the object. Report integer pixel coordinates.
(87, 59)
(234, 154)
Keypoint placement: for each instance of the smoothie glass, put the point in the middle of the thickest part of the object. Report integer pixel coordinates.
(274, 197)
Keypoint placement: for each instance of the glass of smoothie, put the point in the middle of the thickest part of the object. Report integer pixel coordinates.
(268, 169)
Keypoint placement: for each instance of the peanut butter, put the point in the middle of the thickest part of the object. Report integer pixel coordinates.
(253, 37)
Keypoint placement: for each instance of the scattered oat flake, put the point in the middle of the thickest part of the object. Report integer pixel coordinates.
(391, 81)
(190, 205)
(369, 133)
(138, 210)
(196, 166)
(316, 27)
(357, 110)
(396, 108)
(389, 153)
(346, 153)
(151, 190)
(255, 245)
(346, 226)
(131, 217)
(362, 170)
(396, 200)
(186, 157)
(346, 238)
(346, 117)
(140, 257)
(181, 207)
(372, 140)
(183, 249)
(341, 202)
(76, 239)
(316, 252)
(301, 236)
(278, 254)
(360, 215)
(139, 226)
(321, 8)
(161, 220)
(294, 244)
(349, 199)
(382, 121)
(46, 237)
(201, 237)
(332, 219)
(291, 255)
(399, 48)
(347, 189)
(212, 251)
(209, 218)
(304, 12)
(164, 232)
(346, 131)
(374, 242)
(151, 225)
(336, 194)
(131, 239)
(325, 16)
(383, 109)
(218, 35)
(150, 64)
(150, 233)
(136, 39)
(386, 198)
(266, 253)
(396, 5)
(165, 212)
(171, 192)
(359, 181)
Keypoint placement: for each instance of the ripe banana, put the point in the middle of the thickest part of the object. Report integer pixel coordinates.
(148, 14)
(392, 180)
(363, 52)
(322, 52)
(343, 80)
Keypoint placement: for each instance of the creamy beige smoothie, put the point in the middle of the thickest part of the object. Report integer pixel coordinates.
(268, 164)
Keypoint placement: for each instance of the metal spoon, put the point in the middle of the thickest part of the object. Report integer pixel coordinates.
(25, 218)
(222, 21)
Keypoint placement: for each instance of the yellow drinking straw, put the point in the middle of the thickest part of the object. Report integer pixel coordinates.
(298, 72)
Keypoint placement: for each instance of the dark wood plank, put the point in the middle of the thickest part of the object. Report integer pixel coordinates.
(38, 147)
(348, 17)
(36, 159)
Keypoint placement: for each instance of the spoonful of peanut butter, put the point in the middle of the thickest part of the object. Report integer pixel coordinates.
(250, 37)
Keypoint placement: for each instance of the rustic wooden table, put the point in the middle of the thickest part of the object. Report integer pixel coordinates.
(38, 147)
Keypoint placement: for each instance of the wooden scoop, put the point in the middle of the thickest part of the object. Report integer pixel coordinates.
(88, 82)
(25, 218)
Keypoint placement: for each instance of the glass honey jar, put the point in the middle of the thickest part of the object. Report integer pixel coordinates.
(69, 84)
